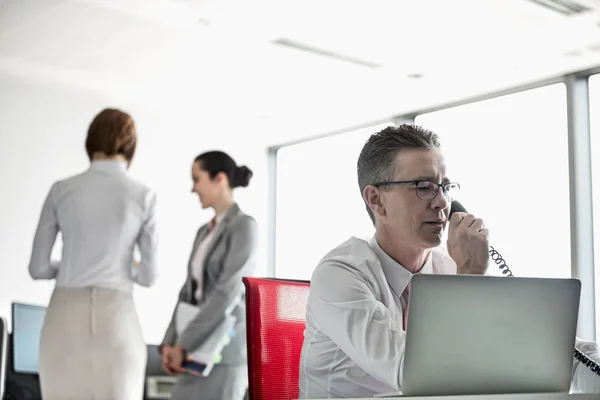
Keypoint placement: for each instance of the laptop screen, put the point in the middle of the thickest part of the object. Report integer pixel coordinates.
(27, 321)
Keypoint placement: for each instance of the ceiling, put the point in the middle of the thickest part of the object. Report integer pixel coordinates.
(311, 64)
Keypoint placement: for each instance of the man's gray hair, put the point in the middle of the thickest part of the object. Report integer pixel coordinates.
(376, 161)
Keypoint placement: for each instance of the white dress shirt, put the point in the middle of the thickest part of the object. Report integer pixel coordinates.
(103, 215)
(354, 338)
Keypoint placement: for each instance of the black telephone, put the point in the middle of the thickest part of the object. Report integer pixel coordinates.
(497, 258)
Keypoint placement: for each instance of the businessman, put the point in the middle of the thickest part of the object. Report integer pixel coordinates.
(355, 329)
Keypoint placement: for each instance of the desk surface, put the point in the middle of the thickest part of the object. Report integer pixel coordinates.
(529, 396)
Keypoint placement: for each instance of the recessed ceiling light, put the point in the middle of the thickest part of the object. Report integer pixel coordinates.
(414, 76)
(573, 53)
(594, 47)
(323, 52)
(565, 7)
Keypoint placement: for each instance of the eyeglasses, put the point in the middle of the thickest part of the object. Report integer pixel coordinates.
(427, 190)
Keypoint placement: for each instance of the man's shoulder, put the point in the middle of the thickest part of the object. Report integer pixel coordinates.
(354, 250)
(442, 254)
(355, 254)
(442, 262)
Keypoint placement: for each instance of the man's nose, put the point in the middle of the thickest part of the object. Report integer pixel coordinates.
(440, 200)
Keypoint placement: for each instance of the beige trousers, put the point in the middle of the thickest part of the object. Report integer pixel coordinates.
(92, 346)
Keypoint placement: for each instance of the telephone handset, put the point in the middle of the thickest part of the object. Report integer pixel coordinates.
(497, 258)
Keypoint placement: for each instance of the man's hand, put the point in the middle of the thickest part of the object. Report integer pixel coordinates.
(468, 244)
(178, 355)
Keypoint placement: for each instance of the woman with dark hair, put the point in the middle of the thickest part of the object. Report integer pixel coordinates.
(224, 251)
(92, 345)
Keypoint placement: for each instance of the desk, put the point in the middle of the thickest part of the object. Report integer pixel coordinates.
(535, 396)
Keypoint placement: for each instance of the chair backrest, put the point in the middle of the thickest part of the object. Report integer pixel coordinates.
(275, 319)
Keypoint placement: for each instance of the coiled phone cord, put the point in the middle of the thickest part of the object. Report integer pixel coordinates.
(582, 358)
(497, 258)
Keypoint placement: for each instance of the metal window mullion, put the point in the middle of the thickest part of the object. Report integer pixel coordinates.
(272, 212)
(580, 189)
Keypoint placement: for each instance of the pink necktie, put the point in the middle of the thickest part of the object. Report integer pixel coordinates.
(405, 297)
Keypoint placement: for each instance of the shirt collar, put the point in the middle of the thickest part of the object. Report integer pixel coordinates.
(396, 275)
(220, 217)
(109, 165)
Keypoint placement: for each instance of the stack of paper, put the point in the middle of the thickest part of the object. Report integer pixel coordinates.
(210, 351)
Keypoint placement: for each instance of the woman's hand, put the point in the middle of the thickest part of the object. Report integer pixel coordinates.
(177, 357)
(167, 352)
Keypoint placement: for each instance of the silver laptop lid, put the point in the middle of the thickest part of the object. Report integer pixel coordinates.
(488, 335)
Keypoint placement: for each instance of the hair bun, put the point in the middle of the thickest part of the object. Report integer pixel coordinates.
(242, 176)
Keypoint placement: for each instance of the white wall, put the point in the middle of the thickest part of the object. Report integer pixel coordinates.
(42, 134)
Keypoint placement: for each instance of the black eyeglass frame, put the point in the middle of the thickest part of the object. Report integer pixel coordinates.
(446, 186)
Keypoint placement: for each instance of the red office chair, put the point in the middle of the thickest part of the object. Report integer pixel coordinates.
(275, 316)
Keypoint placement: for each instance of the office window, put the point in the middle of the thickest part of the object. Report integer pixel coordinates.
(510, 156)
(595, 149)
(319, 204)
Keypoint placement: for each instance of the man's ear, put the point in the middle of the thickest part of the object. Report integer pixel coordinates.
(374, 199)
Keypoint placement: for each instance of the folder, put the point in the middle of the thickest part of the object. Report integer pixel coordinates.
(209, 353)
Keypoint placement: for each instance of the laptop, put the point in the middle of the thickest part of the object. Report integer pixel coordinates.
(489, 335)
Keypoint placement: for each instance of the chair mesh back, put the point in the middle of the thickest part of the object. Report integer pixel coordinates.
(276, 312)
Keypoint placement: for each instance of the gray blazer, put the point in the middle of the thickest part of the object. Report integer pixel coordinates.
(231, 255)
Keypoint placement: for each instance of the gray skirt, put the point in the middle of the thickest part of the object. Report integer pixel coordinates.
(92, 346)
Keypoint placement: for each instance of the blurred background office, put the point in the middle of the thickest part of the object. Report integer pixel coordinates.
(292, 89)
